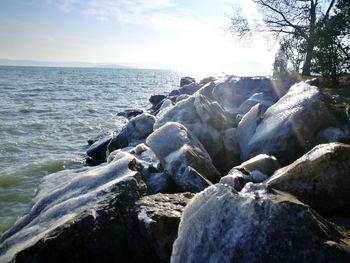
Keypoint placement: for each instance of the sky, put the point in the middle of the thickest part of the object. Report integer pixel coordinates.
(175, 34)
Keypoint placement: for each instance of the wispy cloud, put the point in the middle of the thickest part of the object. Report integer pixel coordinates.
(64, 5)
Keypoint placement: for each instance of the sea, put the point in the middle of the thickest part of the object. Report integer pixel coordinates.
(48, 114)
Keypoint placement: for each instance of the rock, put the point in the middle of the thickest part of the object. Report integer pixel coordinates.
(158, 182)
(264, 163)
(332, 134)
(246, 129)
(313, 82)
(81, 216)
(189, 89)
(257, 98)
(207, 80)
(207, 90)
(166, 104)
(202, 118)
(130, 113)
(257, 176)
(320, 178)
(232, 92)
(137, 128)
(182, 97)
(156, 99)
(158, 218)
(183, 157)
(186, 80)
(235, 179)
(289, 127)
(97, 151)
(221, 225)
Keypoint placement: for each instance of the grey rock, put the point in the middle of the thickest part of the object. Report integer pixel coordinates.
(97, 151)
(320, 178)
(130, 113)
(177, 149)
(289, 127)
(264, 163)
(186, 80)
(158, 218)
(221, 225)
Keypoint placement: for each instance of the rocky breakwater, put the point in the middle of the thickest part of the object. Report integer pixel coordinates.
(225, 170)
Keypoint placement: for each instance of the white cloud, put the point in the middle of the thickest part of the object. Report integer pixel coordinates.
(64, 5)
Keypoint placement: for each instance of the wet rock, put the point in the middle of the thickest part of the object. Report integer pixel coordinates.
(320, 178)
(158, 218)
(289, 127)
(97, 151)
(183, 157)
(130, 113)
(81, 216)
(221, 225)
(186, 80)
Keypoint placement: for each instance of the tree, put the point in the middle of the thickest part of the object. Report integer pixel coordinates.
(296, 18)
(332, 51)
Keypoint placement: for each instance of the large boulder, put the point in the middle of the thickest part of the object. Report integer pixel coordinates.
(136, 129)
(183, 157)
(258, 98)
(158, 218)
(202, 118)
(232, 92)
(320, 178)
(221, 225)
(186, 80)
(289, 127)
(81, 216)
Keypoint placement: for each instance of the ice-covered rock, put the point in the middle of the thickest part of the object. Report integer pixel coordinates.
(156, 99)
(183, 157)
(186, 80)
(232, 92)
(189, 89)
(221, 225)
(264, 163)
(246, 129)
(258, 98)
(182, 97)
(159, 217)
(207, 90)
(235, 179)
(130, 113)
(74, 216)
(137, 128)
(97, 151)
(166, 104)
(289, 127)
(320, 178)
(202, 118)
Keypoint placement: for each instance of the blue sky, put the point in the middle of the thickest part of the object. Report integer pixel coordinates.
(179, 34)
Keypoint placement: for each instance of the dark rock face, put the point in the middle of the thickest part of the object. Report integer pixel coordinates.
(158, 219)
(156, 99)
(97, 151)
(320, 178)
(186, 80)
(221, 225)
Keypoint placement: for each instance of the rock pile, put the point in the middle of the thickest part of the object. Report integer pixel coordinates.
(225, 170)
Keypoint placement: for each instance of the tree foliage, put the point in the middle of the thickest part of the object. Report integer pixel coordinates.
(294, 18)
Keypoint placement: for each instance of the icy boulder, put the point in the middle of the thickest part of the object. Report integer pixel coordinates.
(202, 118)
(74, 215)
(232, 92)
(183, 157)
(320, 178)
(289, 127)
(221, 225)
(258, 98)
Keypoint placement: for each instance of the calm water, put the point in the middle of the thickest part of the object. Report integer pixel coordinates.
(48, 114)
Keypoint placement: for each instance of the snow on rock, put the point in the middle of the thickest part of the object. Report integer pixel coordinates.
(258, 98)
(289, 127)
(221, 225)
(183, 157)
(320, 178)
